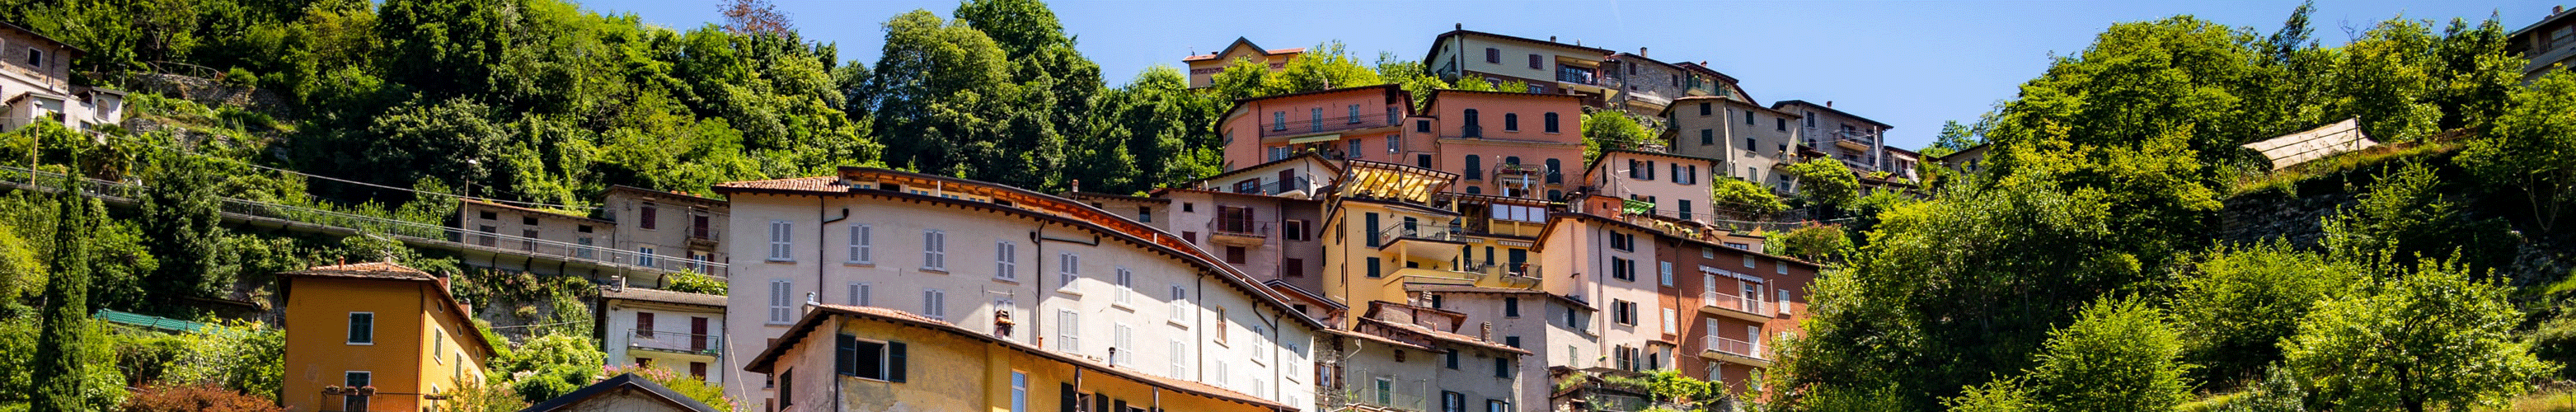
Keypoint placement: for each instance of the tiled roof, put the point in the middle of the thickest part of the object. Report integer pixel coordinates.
(1374, 337)
(831, 184)
(664, 296)
(1274, 52)
(767, 357)
(368, 270)
(1447, 336)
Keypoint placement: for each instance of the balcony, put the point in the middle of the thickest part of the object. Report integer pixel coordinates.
(1311, 127)
(1294, 186)
(1571, 75)
(1736, 351)
(1432, 276)
(1421, 241)
(1241, 232)
(702, 236)
(1734, 307)
(674, 342)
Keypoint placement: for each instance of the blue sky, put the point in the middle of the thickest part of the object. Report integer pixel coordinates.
(1912, 64)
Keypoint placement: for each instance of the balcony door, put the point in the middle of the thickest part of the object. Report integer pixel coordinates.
(697, 334)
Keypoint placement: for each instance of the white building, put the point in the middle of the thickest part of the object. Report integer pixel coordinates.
(35, 85)
(1028, 267)
(679, 331)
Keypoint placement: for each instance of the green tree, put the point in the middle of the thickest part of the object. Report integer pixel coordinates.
(1610, 130)
(180, 223)
(2529, 150)
(1323, 67)
(2434, 338)
(1826, 182)
(547, 366)
(2241, 302)
(67, 373)
(1749, 200)
(2119, 355)
(1411, 75)
(1818, 243)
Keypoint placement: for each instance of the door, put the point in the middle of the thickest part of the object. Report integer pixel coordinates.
(1288, 181)
(697, 333)
(1708, 288)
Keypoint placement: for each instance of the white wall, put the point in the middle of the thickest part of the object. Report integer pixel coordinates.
(671, 324)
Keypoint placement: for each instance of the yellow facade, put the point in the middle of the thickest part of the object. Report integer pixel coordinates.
(420, 342)
(949, 368)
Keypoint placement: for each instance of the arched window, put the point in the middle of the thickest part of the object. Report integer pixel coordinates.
(1475, 167)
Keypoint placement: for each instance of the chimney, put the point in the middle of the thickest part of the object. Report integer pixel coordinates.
(1641, 51)
(1486, 332)
(1829, 104)
(620, 281)
(1551, 39)
(1458, 26)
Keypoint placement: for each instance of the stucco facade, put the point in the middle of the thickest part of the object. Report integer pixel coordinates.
(1752, 142)
(35, 84)
(1857, 141)
(1677, 185)
(1204, 67)
(1613, 267)
(1031, 268)
(667, 224)
(681, 332)
(1507, 144)
(1735, 305)
(375, 325)
(1363, 123)
(1547, 66)
(850, 358)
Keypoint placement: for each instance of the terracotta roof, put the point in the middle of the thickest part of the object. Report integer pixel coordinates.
(622, 382)
(820, 312)
(1085, 195)
(1374, 337)
(663, 296)
(1246, 42)
(669, 194)
(1447, 336)
(1677, 104)
(828, 184)
(1436, 43)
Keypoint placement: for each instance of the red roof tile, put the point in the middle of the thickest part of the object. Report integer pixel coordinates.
(831, 184)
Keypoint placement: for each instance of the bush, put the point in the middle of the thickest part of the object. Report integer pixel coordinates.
(195, 397)
(239, 77)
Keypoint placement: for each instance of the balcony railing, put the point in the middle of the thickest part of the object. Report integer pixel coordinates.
(1328, 124)
(667, 341)
(1577, 75)
(1522, 270)
(1441, 232)
(1275, 187)
(1738, 348)
(702, 233)
(1239, 227)
(1735, 303)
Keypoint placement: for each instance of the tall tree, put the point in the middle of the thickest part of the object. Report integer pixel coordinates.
(181, 221)
(64, 375)
(2434, 338)
(751, 17)
(2532, 150)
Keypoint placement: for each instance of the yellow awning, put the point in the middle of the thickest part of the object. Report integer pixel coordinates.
(1316, 138)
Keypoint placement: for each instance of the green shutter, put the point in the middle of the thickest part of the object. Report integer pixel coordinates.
(894, 362)
(845, 359)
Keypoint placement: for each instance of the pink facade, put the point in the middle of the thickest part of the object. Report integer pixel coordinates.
(1506, 144)
(1348, 123)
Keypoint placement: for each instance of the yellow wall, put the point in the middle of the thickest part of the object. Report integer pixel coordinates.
(407, 316)
(949, 372)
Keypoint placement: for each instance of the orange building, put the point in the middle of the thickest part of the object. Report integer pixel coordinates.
(1507, 144)
(375, 336)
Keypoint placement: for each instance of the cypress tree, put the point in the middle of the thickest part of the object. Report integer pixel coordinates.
(60, 373)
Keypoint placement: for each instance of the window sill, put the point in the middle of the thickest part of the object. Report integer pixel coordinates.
(942, 271)
(998, 279)
(858, 264)
(1122, 306)
(1069, 291)
(1177, 323)
(778, 260)
(362, 344)
(777, 323)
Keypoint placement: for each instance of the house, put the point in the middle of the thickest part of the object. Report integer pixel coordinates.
(1672, 186)
(679, 331)
(1204, 67)
(375, 336)
(1043, 272)
(496, 225)
(1643, 86)
(1750, 142)
(624, 392)
(1901, 164)
(1970, 160)
(1531, 320)
(1857, 141)
(1734, 305)
(1262, 219)
(1506, 144)
(2550, 43)
(840, 357)
(664, 229)
(1346, 123)
(1547, 66)
(35, 84)
(634, 229)
(1613, 266)
(1407, 357)
(1381, 228)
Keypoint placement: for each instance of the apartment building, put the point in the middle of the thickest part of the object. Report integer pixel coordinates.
(2550, 43)
(1970, 160)
(842, 357)
(1644, 87)
(1671, 186)
(1204, 67)
(1263, 219)
(1527, 319)
(1613, 266)
(1408, 357)
(1857, 141)
(35, 84)
(1046, 273)
(1362, 123)
(1901, 164)
(679, 331)
(1734, 304)
(666, 228)
(375, 336)
(1382, 231)
(1516, 145)
(1548, 67)
(1708, 81)
(505, 226)
(1751, 142)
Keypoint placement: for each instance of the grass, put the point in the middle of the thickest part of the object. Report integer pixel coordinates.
(2287, 180)
(2546, 400)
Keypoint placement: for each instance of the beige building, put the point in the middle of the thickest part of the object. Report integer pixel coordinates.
(1643, 86)
(2550, 44)
(1613, 267)
(1204, 67)
(1548, 67)
(1675, 185)
(1031, 269)
(1751, 142)
(35, 84)
(1414, 358)
(678, 331)
(666, 227)
(1857, 141)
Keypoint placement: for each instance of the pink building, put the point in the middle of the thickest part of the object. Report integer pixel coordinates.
(1347, 123)
(1505, 144)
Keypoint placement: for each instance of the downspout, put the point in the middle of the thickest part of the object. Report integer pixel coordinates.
(822, 249)
(1037, 280)
(1276, 368)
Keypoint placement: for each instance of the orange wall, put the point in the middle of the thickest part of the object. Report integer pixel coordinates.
(406, 314)
(1245, 126)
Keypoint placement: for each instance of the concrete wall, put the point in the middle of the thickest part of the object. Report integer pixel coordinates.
(673, 215)
(1612, 179)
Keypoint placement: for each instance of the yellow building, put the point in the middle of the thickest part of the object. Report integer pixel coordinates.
(862, 358)
(394, 329)
(1391, 226)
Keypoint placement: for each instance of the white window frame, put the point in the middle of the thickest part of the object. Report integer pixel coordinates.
(1068, 331)
(1019, 391)
(782, 241)
(644, 257)
(353, 324)
(1122, 345)
(862, 244)
(1006, 261)
(1068, 269)
(1180, 359)
(1126, 293)
(934, 250)
(1667, 274)
(1671, 322)
(1181, 307)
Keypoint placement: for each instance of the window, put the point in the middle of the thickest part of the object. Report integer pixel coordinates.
(649, 212)
(353, 380)
(1502, 367)
(1421, 126)
(781, 240)
(438, 340)
(1511, 122)
(1778, 267)
(1512, 341)
(1619, 268)
(644, 324)
(1500, 406)
(1810, 118)
(35, 57)
(1748, 117)
(1512, 307)
(1452, 402)
(1006, 261)
(1293, 267)
(1475, 167)
(1623, 312)
(1781, 124)
(786, 388)
(934, 303)
(1181, 304)
(864, 359)
(1707, 137)
(1373, 267)
(859, 292)
(696, 370)
(1315, 119)
(1671, 324)
(1395, 144)
(1748, 261)
(1667, 273)
(644, 256)
(862, 240)
(1220, 323)
(1623, 242)
(1536, 89)
(1144, 214)
(362, 328)
(1294, 229)
(1751, 146)
(1126, 293)
(1068, 269)
(1068, 331)
(1180, 359)
(1355, 152)
(1355, 114)
(1549, 122)
(934, 250)
(1386, 389)
(1493, 55)
(1234, 255)
(778, 309)
(1685, 209)
(1019, 391)
(1703, 108)
(1279, 120)
(1783, 303)
(1122, 345)
(1449, 359)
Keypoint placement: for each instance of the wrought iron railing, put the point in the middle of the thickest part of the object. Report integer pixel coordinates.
(1239, 227)
(1329, 124)
(1441, 232)
(1734, 303)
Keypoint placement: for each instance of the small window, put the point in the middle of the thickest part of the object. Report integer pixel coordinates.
(1421, 126)
(362, 328)
(528, 220)
(1279, 120)
(1493, 55)
(1511, 122)
(1006, 261)
(1551, 125)
(781, 239)
(1703, 108)
(648, 212)
(1781, 124)
(1355, 115)
(779, 311)
(934, 250)
(934, 303)
(35, 57)
(1068, 269)
(862, 250)
(488, 215)
(1534, 63)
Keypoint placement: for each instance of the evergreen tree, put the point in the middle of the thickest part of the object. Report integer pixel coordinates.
(62, 374)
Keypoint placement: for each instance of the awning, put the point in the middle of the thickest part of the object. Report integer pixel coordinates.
(1316, 138)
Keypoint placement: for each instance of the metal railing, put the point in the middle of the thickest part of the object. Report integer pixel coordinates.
(1239, 227)
(1441, 232)
(1738, 348)
(1274, 187)
(1522, 270)
(1329, 124)
(1577, 76)
(1734, 303)
(414, 233)
(638, 338)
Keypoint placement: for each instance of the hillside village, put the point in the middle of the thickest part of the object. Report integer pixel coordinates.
(353, 214)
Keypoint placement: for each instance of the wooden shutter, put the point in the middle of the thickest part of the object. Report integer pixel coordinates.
(1069, 400)
(894, 361)
(846, 359)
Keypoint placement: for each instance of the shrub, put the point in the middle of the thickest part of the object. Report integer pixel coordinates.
(161, 397)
